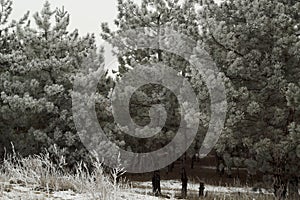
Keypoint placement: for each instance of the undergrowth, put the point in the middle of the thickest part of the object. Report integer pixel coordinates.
(42, 174)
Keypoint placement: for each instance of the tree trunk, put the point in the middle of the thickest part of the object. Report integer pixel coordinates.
(201, 189)
(156, 183)
(280, 188)
(193, 161)
(170, 167)
(293, 189)
(220, 165)
(184, 179)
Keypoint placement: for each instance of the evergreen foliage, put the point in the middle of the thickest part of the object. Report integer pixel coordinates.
(256, 44)
(38, 67)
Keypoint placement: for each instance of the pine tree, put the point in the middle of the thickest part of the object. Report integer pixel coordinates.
(256, 44)
(155, 15)
(9, 53)
(37, 84)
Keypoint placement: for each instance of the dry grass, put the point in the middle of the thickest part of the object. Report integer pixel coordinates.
(41, 174)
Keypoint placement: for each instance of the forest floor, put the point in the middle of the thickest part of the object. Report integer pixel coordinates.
(136, 191)
(37, 178)
(172, 190)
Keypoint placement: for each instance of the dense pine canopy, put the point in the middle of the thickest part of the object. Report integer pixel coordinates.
(256, 48)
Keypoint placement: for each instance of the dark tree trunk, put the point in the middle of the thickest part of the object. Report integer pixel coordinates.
(238, 172)
(156, 183)
(293, 189)
(229, 172)
(184, 179)
(170, 168)
(193, 161)
(220, 165)
(280, 188)
(250, 178)
(201, 189)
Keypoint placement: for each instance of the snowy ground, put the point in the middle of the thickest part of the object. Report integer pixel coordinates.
(176, 185)
(137, 191)
(14, 191)
(17, 192)
(173, 186)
